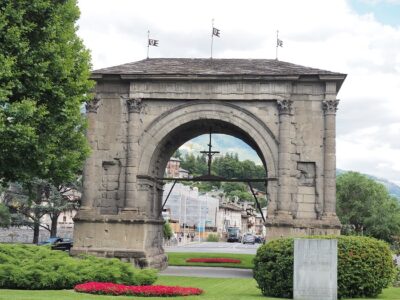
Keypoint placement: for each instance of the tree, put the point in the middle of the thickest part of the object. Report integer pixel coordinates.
(26, 202)
(5, 217)
(31, 202)
(167, 231)
(60, 199)
(189, 163)
(43, 84)
(366, 207)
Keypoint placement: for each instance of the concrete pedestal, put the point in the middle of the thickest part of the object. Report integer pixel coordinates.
(131, 238)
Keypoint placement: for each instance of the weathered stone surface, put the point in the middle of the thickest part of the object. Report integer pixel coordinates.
(146, 110)
(315, 269)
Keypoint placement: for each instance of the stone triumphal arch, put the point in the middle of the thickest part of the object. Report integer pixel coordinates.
(143, 111)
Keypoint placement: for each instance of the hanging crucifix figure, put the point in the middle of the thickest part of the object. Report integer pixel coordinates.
(209, 154)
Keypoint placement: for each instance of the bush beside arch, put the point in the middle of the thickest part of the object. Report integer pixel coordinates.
(365, 267)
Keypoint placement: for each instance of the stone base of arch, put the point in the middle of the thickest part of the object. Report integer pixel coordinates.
(127, 236)
(277, 228)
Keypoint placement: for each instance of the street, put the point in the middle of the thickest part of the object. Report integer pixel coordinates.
(215, 247)
(214, 272)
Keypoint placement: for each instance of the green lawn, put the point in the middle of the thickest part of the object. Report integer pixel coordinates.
(179, 259)
(215, 289)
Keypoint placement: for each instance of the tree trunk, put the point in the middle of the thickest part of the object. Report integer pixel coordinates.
(53, 228)
(36, 227)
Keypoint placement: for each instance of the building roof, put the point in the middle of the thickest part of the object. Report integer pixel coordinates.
(215, 67)
(230, 206)
(174, 159)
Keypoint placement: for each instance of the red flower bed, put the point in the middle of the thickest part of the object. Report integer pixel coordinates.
(107, 288)
(215, 260)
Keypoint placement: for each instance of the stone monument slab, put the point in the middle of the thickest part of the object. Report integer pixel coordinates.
(315, 269)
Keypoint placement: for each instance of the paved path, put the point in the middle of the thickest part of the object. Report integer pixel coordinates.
(214, 272)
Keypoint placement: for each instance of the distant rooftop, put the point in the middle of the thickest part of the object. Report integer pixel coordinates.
(215, 67)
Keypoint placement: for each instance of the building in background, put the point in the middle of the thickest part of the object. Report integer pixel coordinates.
(174, 170)
(189, 207)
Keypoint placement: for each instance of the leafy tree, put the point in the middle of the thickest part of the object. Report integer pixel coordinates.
(365, 207)
(242, 195)
(43, 84)
(60, 199)
(178, 154)
(234, 186)
(228, 166)
(5, 217)
(189, 163)
(167, 230)
(263, 201)
(26, 202)
(32, 201)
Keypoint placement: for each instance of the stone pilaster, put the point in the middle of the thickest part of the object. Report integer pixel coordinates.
(284, 196)
(330, 108)
(135, 107)
(89, 172)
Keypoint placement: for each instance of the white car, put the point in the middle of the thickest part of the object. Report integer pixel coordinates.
(248, 238)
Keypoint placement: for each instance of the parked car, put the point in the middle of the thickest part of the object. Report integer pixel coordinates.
(233, 235)
(58, 243)
(259, 239)
(248, 238)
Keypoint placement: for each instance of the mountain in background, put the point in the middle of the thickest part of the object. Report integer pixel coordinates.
(394, 189)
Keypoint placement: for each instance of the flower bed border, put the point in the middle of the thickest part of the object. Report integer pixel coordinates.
(108, 288)
(218, 260)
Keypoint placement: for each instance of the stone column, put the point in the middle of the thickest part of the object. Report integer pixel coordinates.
(89, 171)
(284, 197)
(330, 108)
(134, 108)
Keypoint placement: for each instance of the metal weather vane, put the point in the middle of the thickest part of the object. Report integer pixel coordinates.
(150, 42)
(279, 43)
(215, 32)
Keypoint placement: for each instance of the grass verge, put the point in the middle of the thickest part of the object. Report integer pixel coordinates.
(179, 259)
(215, 289)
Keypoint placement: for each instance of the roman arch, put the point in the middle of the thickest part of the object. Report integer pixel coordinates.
(143, 111)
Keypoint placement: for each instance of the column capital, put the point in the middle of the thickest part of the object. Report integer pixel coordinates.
(330, 106)
(284, 106)
(93, 105)
(135, 105)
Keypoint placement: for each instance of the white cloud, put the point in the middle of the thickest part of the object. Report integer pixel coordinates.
(323, 34)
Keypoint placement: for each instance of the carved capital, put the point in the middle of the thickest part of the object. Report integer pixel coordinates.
(93, 105)
(135, 105)
(330, 106)
(285, 106)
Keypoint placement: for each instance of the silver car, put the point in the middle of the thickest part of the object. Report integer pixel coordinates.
(248, 238)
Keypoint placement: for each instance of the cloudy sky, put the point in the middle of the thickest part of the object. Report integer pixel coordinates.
(358, 37)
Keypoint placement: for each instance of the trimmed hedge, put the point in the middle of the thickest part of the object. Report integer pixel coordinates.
(365, 267)
(38, 268)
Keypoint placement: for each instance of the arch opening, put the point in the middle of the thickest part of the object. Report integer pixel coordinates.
(188, 131)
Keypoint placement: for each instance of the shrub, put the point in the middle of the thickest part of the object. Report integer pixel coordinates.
(365, 267)
(38, 267)
(107, 288)
(212, 238)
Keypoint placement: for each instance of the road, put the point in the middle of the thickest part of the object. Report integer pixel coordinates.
(215, 247)
(210, 272)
